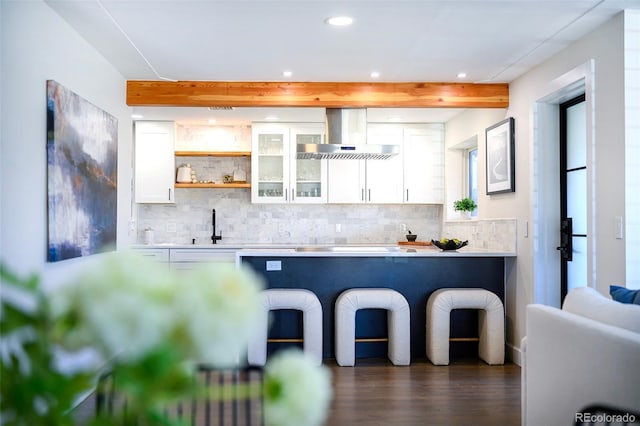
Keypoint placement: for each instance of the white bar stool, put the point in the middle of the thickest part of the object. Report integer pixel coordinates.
(490, 323)
(349, 301)
(285, 298)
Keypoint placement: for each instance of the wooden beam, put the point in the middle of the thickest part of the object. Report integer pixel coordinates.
(316, 94)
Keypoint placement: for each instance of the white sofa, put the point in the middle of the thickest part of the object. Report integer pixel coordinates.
(586, 353)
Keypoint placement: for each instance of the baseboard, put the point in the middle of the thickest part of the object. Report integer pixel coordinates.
(514, 354)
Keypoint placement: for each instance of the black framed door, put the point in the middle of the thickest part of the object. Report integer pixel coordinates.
(573, 195)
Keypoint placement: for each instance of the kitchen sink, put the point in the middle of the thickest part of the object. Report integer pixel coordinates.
(348, 249)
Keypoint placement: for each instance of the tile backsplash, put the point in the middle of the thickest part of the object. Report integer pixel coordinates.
(244, 223)
(491, 234)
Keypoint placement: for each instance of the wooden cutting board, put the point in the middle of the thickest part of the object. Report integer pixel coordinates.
(414, 243)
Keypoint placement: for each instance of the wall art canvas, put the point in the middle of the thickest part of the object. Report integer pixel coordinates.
(82, 144)
(501, 159)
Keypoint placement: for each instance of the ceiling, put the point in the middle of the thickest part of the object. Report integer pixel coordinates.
(403, 40)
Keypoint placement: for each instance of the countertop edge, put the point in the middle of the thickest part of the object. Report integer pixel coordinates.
(289, 250)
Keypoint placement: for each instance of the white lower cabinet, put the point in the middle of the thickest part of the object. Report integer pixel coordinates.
(189, 259)
(155, 254)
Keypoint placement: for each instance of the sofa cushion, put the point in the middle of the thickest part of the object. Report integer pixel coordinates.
(587, 302)
(624, 295)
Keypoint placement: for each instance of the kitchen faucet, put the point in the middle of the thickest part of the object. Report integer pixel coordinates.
(214, 237)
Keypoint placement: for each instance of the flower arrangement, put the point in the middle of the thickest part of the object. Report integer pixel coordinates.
(151, 326)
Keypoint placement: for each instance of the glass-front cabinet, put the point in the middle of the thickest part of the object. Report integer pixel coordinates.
(278, 177)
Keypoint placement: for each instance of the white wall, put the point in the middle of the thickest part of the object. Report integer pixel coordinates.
(632, 137)
(464, 126)
(605, 47)
(38, 45)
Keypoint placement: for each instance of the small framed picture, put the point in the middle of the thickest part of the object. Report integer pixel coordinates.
(501, 159)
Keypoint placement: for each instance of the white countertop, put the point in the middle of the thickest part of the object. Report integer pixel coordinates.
(351, 250)
(367, 251)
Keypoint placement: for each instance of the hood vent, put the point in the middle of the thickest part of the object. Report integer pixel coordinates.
(346, 139)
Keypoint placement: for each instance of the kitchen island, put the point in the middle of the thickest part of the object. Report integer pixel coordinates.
(414, 272)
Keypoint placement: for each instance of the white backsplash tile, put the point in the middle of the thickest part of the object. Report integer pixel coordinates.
(244, 223)
(492, 234)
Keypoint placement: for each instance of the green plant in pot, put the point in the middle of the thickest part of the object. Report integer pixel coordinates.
(465, 205)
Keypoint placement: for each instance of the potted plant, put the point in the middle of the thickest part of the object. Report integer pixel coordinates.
(465, 205)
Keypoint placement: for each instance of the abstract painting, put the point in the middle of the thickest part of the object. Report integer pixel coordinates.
(82, 145)
(501, 160)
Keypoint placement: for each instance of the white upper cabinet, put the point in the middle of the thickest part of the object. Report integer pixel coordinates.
(277, 176)
(346, 181)
(415, 176)
(423, 152)
(369, 181)
(384, 177)
(154, 165)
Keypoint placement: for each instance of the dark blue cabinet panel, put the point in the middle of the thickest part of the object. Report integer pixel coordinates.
(415, 277)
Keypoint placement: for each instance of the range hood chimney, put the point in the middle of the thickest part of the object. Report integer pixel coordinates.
(346, 139)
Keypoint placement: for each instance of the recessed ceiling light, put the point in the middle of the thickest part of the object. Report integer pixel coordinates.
(462, 74)
(339, 21)
(211, 121)
(137, 116)
(287, 73)
(375, 74)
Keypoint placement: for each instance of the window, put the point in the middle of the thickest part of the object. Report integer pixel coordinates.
(471, 169)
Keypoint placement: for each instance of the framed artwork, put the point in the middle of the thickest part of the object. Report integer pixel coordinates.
(501, 160)
(82, 171)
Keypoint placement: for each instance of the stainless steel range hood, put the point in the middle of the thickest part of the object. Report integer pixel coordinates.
(346, 139)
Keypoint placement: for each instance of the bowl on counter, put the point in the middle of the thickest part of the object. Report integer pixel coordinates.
(411, 237)
(449, 244)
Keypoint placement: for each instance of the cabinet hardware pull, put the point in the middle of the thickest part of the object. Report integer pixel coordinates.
(369, 195)
(407, 195)
(169, 194)
(362, 194)
(293, 195)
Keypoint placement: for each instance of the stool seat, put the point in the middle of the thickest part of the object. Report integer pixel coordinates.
(285, 298)
(490, 323)
(349, 301)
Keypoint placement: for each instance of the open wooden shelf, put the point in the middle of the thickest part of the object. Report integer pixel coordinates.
(213, 153)
(213, 185)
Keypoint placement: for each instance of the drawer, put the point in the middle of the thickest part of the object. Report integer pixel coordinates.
(203, 255)
(159, 255)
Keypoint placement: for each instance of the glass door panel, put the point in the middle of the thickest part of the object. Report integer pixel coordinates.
(573, 193)
(310, 176)
(270, 163)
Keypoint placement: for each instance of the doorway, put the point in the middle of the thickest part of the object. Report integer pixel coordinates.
(573, 195)
(546, 197)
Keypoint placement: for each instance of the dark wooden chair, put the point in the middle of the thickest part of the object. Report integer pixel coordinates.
(224, 406)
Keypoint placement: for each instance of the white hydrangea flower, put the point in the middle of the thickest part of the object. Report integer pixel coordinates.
(297, 391)
(124, 306)
(219, 307)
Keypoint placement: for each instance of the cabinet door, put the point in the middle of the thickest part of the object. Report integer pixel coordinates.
(385, 177)
(154, 165)
(308, 178)
(346, 181)
(423, 150)
(270, 164)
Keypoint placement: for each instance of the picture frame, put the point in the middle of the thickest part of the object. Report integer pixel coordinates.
(500, 157)
(82, 175)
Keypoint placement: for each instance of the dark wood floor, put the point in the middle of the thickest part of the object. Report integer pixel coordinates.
(375, 392)
(465, 393)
